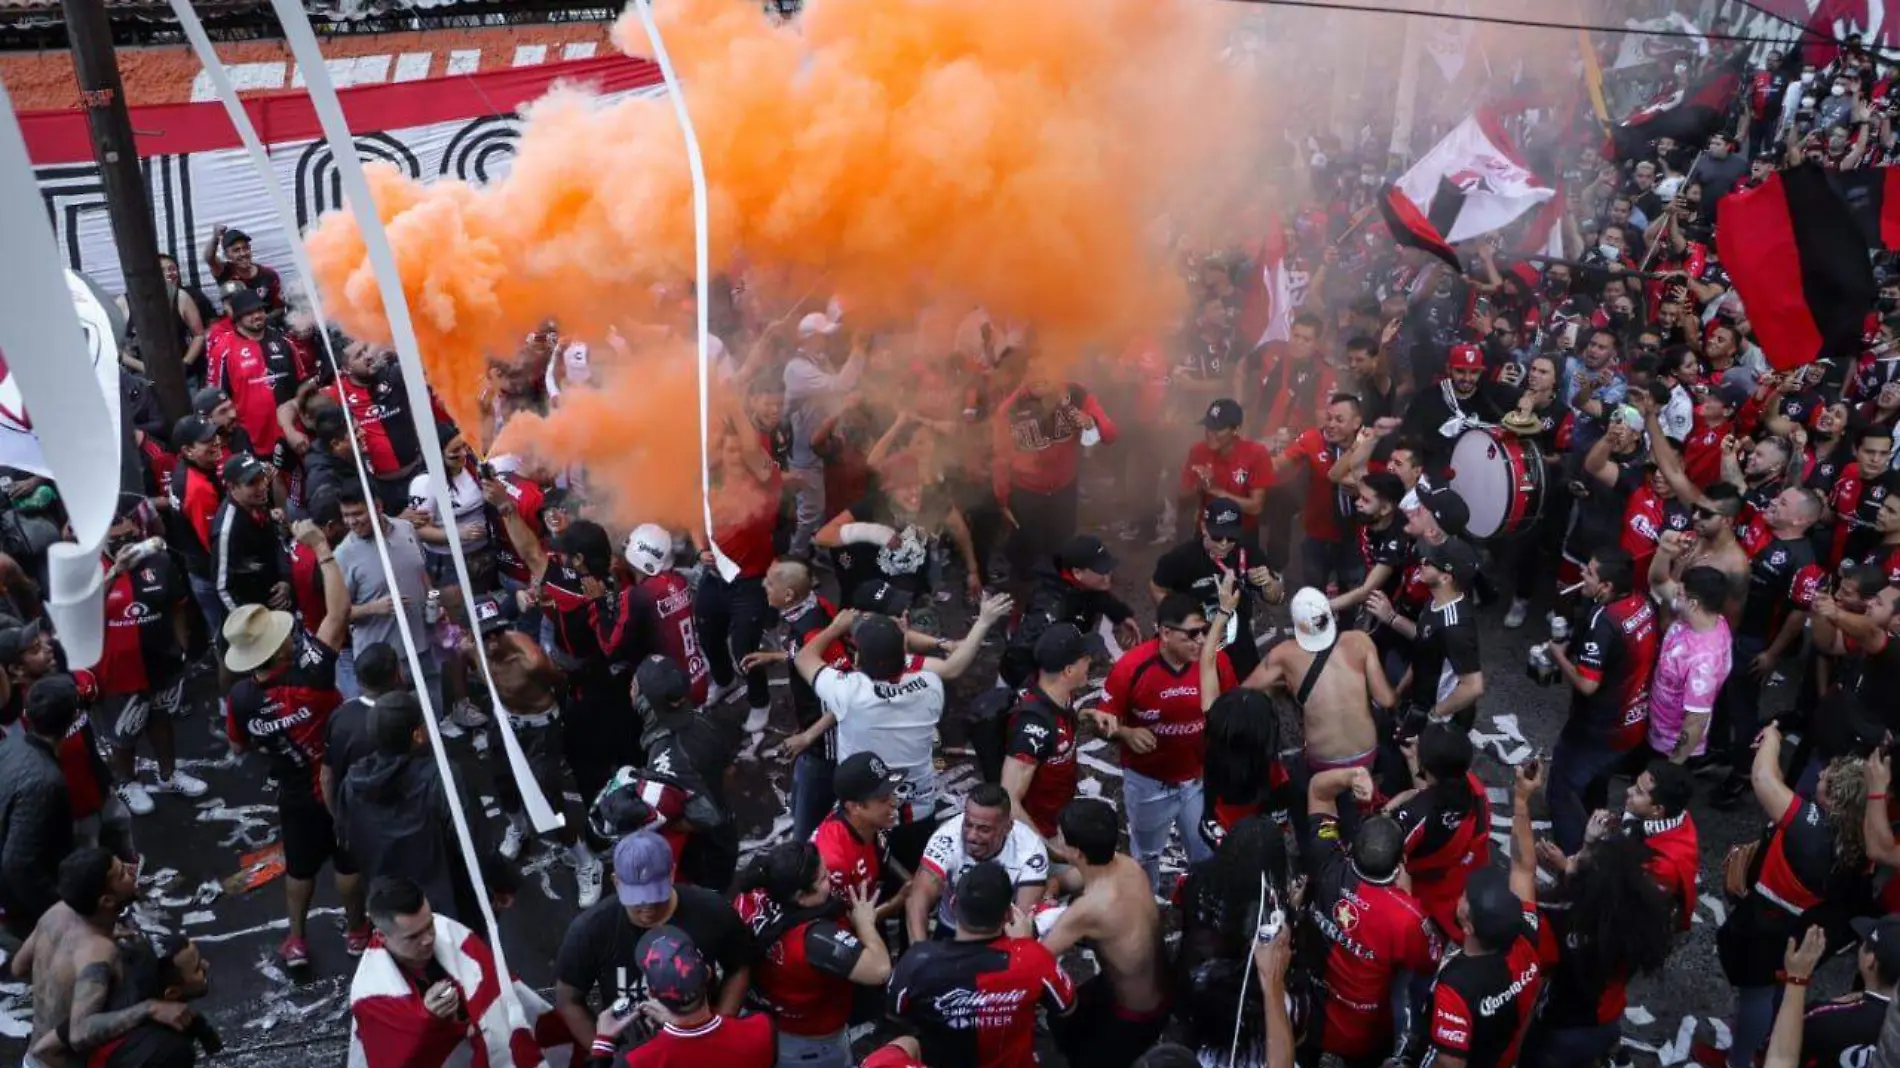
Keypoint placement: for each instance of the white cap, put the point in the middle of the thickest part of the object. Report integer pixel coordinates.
(1313, 625)
(649, 548)
(816, 323)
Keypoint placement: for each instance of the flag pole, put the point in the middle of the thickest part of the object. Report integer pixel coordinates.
(1650, 254)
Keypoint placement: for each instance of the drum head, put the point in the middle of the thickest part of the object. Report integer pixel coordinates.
(1482, 475)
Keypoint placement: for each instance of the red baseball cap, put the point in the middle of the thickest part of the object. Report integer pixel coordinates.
(1465, 357)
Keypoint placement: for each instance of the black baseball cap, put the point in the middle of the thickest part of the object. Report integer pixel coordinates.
(1222, 519)
(16, 640)
(242, 468)
(864, 777)
(1880, 936)
(1223, 414)
(1059, 646)
(192, 430)
(1497, 914)
(662, 683)
(1456, 558)
(206, 400)
(1448, 510)
(880, 645)
(983, 897)
(244, 301)
(879, 596)
(489, 618)
(675, 972)
(1733, 394)
(54, 698)
(1085, 552)
(235, 236)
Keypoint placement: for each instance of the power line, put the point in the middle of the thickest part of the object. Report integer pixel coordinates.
(1533, 24)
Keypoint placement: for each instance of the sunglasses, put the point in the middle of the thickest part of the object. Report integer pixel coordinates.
(1706, 513)
(1191, 633)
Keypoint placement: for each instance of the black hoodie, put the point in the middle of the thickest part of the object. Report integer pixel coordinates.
(392, 814)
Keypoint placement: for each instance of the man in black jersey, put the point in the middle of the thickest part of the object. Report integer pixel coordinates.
(1383, 543)
(1486, 989)
(1196, 567)
(1446, 676)
(789, 590)
(1846, 1030)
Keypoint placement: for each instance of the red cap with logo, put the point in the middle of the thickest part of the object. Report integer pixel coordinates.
(1465, 357)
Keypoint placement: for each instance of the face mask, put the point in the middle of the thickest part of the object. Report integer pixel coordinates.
(1807, 102)
(1610, 252)
(1807, 77)
(1556, 287)
(1618, 320)
(1681, 69)
(1368, 180)
(1839, 90)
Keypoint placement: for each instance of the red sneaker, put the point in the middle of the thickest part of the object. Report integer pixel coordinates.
(1707, 1056)
(294, 953)
(356, 940)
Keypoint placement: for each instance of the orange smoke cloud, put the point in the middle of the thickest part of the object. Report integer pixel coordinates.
(896, 153)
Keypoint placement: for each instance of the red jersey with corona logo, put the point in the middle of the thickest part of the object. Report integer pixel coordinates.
(1372, 932)
(258, 374)
(851, 861)
(671, 601)
(1042, 734)
(1619, 645)
(379, 408)
(288, 717)
(974, 1003)
(1481, 1006)
(1245, 466)
(141, 650)
(1144, 691)
(803, 970)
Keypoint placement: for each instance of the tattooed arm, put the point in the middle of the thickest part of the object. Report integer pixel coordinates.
(89, 1026)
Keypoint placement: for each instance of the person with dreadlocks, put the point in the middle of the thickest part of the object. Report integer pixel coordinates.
(814, 947)
(1243, 775)
(1222, 901)
(1608, 921)
(1809, 867)
(1447, 821)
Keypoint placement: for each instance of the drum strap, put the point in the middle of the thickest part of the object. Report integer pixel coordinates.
(1312, 673)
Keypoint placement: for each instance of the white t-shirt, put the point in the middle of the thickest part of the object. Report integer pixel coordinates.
(1678, 416)
(465, 494)
(1024, 857)
(895, 720)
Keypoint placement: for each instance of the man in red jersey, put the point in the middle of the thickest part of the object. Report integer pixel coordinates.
(259, 367)
(1486, 990)
(1038, 434)
(852, 839)
(1039, 766)
(691, 1034)
(1373, 930)
(1226, 466)
(1656, 808)
(141, 670)
(1858, 495)
(371, 387)
(1615, 654)
(281, 705)
(1885, 556)
(1327, 551)
(973, 1001)
(1152, 707)
(659, 599)
(197, 491)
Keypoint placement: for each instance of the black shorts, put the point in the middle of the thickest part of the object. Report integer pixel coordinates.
(545, 750)
(310, 839)
(111, 714)
(1100, 1035)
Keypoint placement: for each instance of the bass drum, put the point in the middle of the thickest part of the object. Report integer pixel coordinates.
(1501, 477)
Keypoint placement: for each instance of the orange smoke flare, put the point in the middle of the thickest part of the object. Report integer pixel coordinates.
(897, 153)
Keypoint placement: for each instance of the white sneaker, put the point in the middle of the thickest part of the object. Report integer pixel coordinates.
(135, 797)
(467, 716)
(1514, 617)
(448, 728)
(717, 693)
(511, 842)
(755, 719)
(181, 783)
(587, 876)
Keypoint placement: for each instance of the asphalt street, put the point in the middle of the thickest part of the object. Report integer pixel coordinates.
(266, 1018)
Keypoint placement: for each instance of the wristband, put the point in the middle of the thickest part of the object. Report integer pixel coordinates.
(1881, 796)
(602, 1047)
(866, 533)
(1792, 980)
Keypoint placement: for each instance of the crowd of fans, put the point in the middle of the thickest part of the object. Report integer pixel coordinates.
(1291, 692)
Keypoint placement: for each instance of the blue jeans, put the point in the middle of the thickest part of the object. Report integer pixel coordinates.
(1573, 767)
(346, 683)
(812, 797)
(808, 503)
(1571, 1047)
(1755, 1008)
(205, 592)
(1154, 809)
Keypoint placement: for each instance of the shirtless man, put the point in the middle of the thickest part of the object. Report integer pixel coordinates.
(74, 964)
(1709, 542)
(1122, 1013)
(1338, 716)
(527, 684)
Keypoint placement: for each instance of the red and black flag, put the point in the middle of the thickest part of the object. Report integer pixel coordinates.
(1800, 264)
(1873, 195)
(1412, 229)
(1689, 113)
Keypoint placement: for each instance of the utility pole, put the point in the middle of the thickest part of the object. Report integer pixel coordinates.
(89, 36)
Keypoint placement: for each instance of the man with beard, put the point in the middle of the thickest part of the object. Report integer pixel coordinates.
(1712, 540)
(1603, 480)
(1858, 495)
(1383, 544)
(236, 265)
(259, 367)
(1440, 413)
(372, 388)
(1196, 568)
(985, 831)
(248, 561)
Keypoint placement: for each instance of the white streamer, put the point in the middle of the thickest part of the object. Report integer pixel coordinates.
(46, 349)
(702, 270)
(534, 802)
(303, 45)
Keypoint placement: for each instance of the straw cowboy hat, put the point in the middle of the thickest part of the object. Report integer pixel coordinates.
(254, 634)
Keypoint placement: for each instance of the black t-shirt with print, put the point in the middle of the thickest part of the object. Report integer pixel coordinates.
(598, 952)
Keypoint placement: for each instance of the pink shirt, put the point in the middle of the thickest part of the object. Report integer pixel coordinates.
(1689, 674)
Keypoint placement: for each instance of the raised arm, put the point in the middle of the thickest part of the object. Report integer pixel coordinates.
(1525, 783)
(335, 628)
(995, 607)
(1229, 594)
